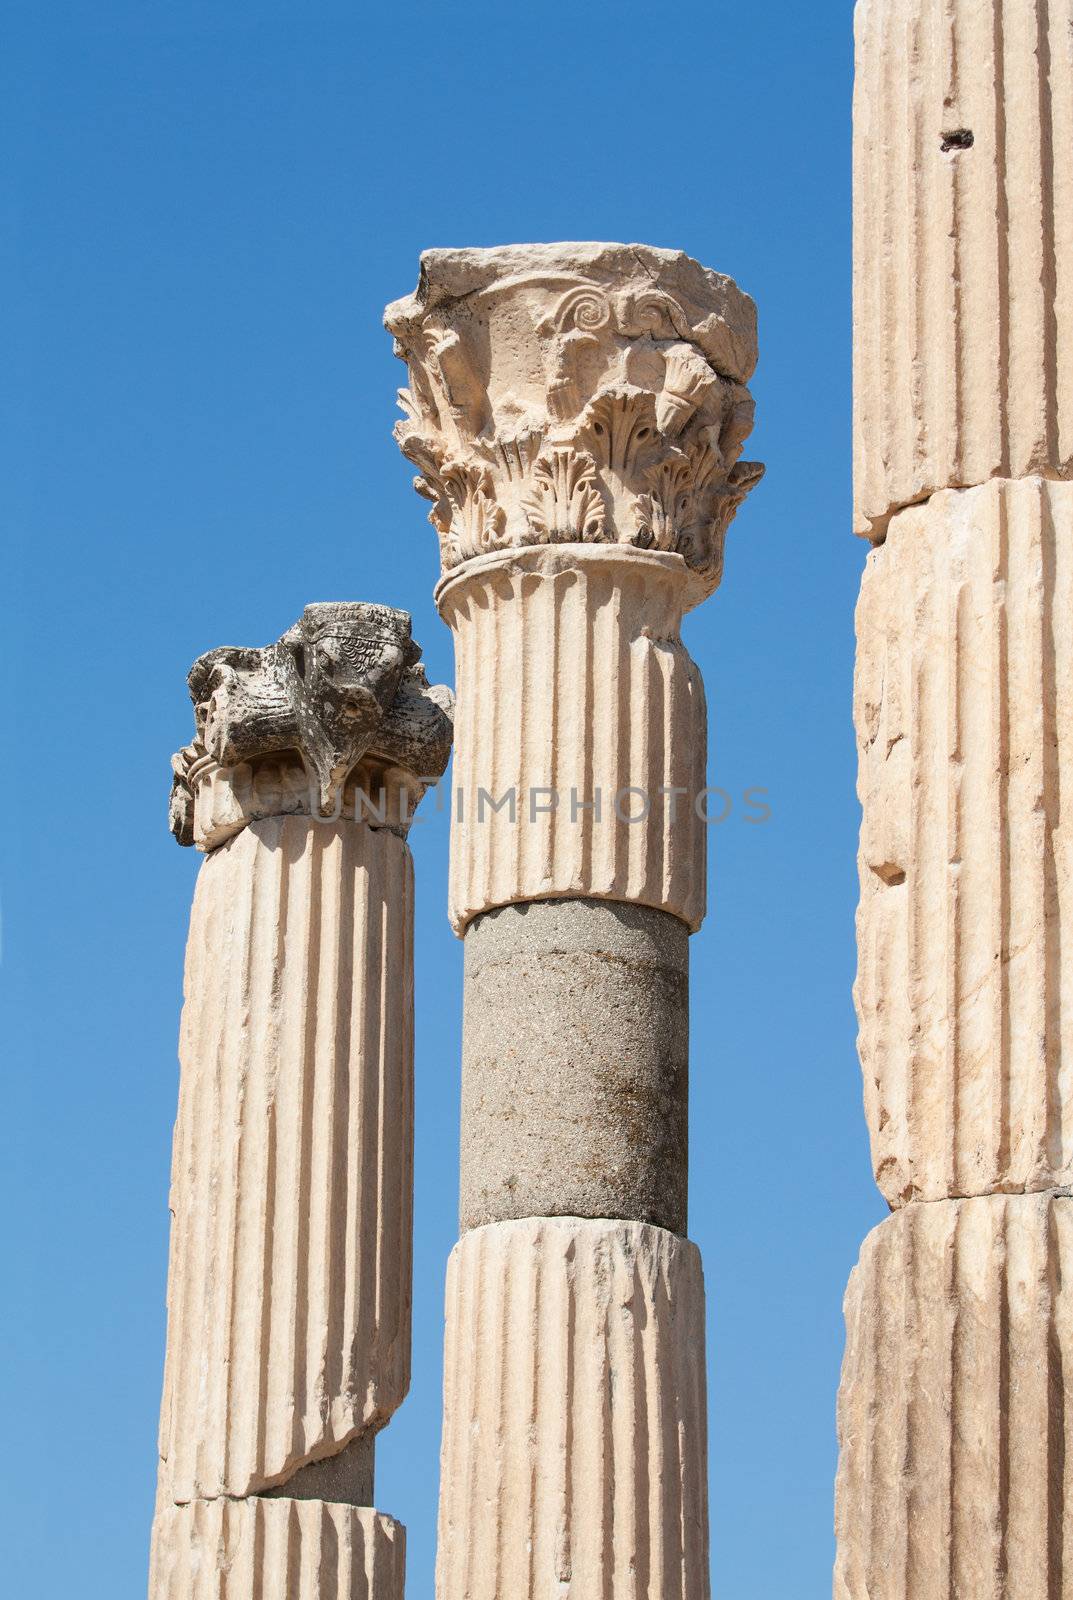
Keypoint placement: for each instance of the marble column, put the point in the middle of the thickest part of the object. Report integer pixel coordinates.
(289, 1283)
(577, 414)
(955, 1418)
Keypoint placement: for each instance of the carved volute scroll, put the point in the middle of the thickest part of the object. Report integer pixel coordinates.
(340, 701)
(577, 393)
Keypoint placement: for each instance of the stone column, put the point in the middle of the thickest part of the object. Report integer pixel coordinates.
(956, 1427)
(289, 1283)
(577, 413)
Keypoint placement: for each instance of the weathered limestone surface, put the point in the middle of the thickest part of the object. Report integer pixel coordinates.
(289, 1277)
(286, 1549)
(580, 706)
(964, 712)
(963, 252)
(588, 1117)
(956, 1470)
(289, 1286)
(574, 1448)
(211, 803)
(577, 393)
(953, 1479)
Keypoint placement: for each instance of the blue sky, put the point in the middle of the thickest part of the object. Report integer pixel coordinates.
(206, 209)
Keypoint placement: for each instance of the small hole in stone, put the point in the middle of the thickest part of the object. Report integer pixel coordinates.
(889, 872)
(957, 139)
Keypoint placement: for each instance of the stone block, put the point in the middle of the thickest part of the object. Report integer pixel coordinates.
(963, 247)
(956, 1471)
(284, 1549)
(574, 1444)
(964, 713)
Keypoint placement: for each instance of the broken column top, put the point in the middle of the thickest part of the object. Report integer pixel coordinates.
(339, 704)
(577, 393)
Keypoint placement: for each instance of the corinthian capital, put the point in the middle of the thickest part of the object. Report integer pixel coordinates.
(339, 702)
(577, 393)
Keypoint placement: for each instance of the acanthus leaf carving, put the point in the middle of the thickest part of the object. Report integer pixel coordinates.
(619, 427)
(665, 509)
(477, 521)
(514, 454)
(576, 393)
(563, 503)
(687, 379)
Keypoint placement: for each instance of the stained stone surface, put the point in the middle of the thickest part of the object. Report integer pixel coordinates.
(574, 1454)
(346, 1477)
(575, 1064)
(337, 710)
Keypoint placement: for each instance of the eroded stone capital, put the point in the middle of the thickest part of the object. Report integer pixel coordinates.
(336, 710)
(577, 393)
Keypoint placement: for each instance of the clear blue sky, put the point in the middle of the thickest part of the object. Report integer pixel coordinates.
(210, 205)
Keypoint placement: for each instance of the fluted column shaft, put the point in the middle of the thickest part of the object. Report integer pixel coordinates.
(576, 412)
(289, 1282)
(289, 1285)
(953, 1476)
